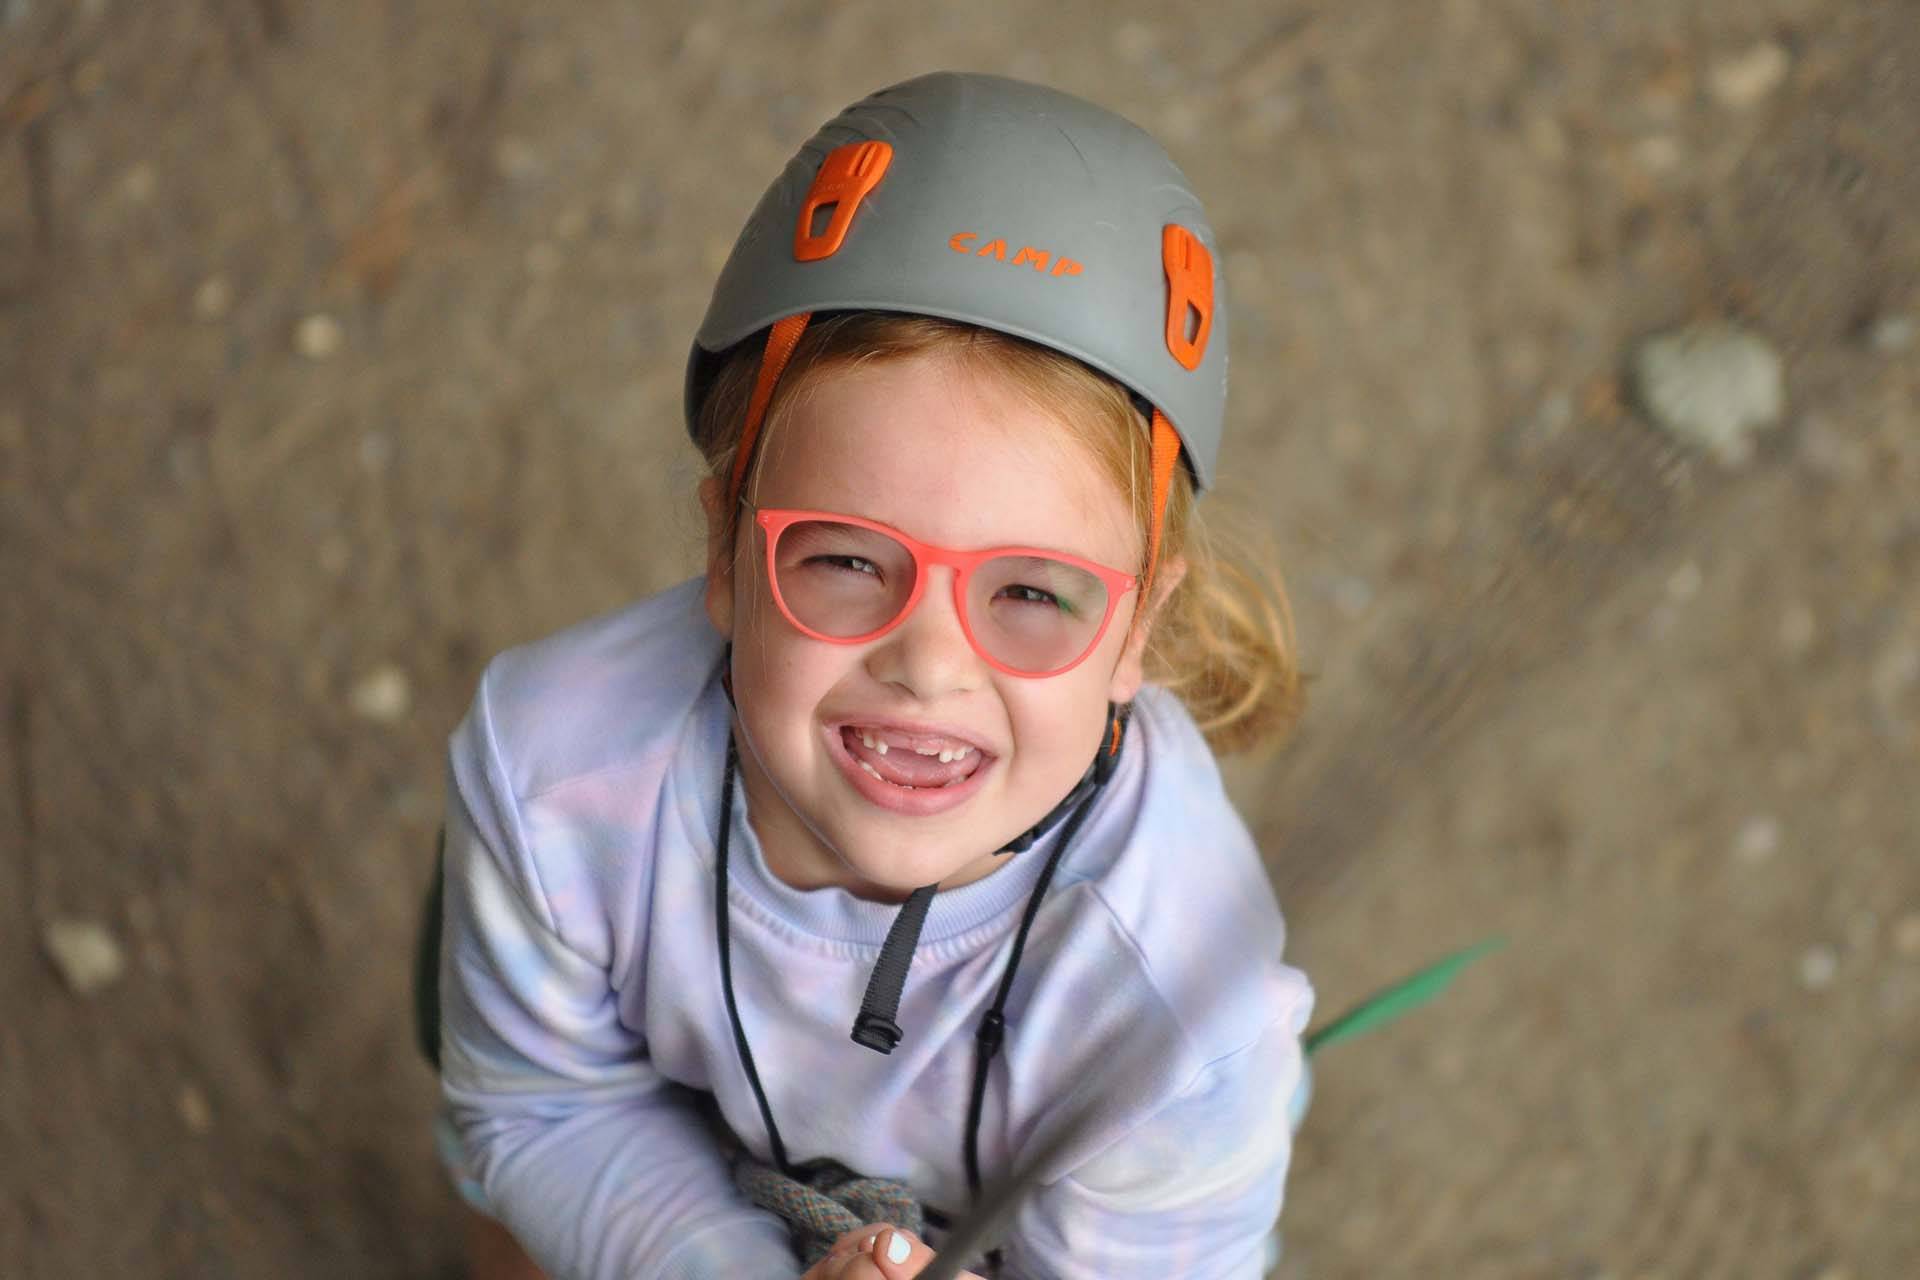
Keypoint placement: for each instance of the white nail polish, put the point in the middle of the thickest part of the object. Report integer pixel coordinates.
(898, 1250)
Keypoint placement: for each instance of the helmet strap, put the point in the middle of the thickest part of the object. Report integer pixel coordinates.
(782, 338)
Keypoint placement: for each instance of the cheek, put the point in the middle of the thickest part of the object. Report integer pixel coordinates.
(1057, 723)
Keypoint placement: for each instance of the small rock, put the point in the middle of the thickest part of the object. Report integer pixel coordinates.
(383, 695)
(139, 183)
(1906, 936)
(1658, 154)
(89, 78)
(376, 451)
(1818, 967)
(1712, 386)
(1831, 451)
(318, 336)
(195, 1112)
(212, 299)
(517, 160)
(543, 259)
(336, 553)
(1798, 629)
(1684, 582)
(1545, 138)
(1352, 595)
(1743, 79)
(1759, 839)
(1892, 333)
(1135, 40)
(1895, 670)
(86, 954)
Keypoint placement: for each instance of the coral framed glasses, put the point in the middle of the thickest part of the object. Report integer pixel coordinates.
(1026, 610)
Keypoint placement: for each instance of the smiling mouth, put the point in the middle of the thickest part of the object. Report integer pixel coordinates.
(912, 761)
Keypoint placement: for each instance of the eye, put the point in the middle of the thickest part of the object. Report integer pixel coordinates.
(851, 564)
(1021, 593)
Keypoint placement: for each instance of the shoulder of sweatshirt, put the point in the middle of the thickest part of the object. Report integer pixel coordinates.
(1170, 877)
(605, 694)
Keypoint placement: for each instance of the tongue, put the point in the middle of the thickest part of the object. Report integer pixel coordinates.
(907, 768)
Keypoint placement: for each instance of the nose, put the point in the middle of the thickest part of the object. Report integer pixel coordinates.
(928, 654)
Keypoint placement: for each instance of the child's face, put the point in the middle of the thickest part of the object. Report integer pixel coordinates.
(960, 460)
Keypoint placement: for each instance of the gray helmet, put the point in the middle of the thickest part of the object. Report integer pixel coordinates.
(1000, 204)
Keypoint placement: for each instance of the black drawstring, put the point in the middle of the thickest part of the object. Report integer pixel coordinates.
(726, 963)
(993, 1026)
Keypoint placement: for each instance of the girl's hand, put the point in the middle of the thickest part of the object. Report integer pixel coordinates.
(876, 1251)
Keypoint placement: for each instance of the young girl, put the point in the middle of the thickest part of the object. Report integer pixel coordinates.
(874, 854)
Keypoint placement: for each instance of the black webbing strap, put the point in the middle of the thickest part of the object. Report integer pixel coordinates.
(875, 1027)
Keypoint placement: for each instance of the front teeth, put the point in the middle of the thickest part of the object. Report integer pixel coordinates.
(947, 754)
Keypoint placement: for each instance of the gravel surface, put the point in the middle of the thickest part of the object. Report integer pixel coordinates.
(342, 349)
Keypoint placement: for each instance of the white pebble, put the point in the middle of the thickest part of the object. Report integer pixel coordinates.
(1684, 582)
(1906, 936)
(195, 1112)
(335, 554)
(1743, 79)
(318, 336)
(86, 954)
(212, 298)
(1798, 629)
(138, 183)
(1712, 386)
(542, 258)
(376, 451)
(1818, 966)
(1658, 154)
(1352, 596)
(383, 694)
(517, 160)
(1892, 333)
(1759, 839)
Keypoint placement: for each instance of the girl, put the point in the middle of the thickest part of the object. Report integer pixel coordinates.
(874, 852)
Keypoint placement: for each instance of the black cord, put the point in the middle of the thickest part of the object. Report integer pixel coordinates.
(726, 963)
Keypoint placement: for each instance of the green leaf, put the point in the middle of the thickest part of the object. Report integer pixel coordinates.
(1403, 997)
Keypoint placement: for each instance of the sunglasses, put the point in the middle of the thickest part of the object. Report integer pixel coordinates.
(1026, 611)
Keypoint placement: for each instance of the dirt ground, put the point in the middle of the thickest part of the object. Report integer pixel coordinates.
(340, 348)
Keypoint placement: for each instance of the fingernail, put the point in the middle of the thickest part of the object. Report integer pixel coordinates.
(898, 1250)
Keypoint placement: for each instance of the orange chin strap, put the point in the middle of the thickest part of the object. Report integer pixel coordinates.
(1166, 455)
(781, 340)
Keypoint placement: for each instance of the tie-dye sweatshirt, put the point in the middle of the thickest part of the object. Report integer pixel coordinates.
(583, 1009)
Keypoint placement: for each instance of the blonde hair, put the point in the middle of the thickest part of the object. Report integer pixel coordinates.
(1222, 641)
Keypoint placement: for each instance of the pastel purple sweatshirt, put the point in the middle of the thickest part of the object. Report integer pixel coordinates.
(583, 1007)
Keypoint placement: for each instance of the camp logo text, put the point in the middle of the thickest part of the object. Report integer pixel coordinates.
(1038, 259)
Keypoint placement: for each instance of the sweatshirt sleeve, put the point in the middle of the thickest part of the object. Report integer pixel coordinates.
(1193, 1191)
(600, 1166)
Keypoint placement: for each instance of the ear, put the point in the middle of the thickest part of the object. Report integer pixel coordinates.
(1130, 672)
(713, 502)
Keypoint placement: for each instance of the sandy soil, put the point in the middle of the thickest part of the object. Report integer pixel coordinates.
(340, 348)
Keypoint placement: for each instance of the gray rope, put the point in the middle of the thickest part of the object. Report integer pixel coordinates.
(826, 1201)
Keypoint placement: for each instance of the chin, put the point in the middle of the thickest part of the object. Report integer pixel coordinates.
(883, 869)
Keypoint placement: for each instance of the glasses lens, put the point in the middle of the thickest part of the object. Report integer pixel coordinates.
(1034, 613)
(839, 579)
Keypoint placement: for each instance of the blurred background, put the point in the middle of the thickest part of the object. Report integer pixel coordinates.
(1576, 379)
